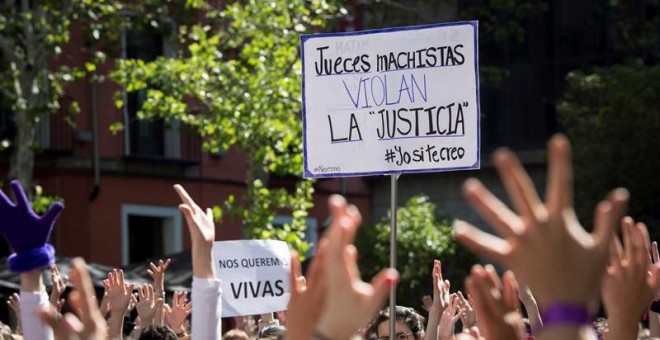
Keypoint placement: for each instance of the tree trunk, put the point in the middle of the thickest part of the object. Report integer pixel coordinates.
(21, 163)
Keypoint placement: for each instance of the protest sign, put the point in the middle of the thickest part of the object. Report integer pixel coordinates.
(391, 101)
(254, 274)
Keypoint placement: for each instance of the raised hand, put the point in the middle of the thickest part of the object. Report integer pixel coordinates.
(146, 305)
(441, 300)
(441, 295)
(628, 287)
(307, 295)
(202, 234)
(427, 303)
(468, 315)
(350, 302)
(496, 303)
(450, 315)
(13, 303)
(91, 325)
(157, 273)
(59, 286)
(177, 314)
(544, 244)
(27, 233)
(119, 298)
(205, 286)
(119, 293)
(104, 306)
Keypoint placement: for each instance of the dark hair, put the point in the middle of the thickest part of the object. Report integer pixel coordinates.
(406, 314)
(273, 332)
(158, 333)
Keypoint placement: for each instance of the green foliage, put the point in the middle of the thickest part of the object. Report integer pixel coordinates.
(41, 202)
(423, 235)
(635, 28)
(36, 55)
(612, 118)
(260, 213)
(241, 74)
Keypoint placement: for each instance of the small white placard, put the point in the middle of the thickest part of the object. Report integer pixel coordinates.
(254, 274)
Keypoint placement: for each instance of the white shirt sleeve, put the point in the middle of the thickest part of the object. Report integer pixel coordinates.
(206, 309)
(33, 326)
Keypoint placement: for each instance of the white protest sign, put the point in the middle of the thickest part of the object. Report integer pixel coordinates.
(391, 101)
(254, 274)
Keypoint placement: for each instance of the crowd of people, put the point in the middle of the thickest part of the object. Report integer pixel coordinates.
(556, 272)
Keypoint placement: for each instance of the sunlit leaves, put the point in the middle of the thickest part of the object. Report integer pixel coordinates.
(240, 72)
(424, 234)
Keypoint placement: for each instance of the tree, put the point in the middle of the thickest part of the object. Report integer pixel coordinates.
(33, 38)
(424, 234)
(240, 70)
(611, 115)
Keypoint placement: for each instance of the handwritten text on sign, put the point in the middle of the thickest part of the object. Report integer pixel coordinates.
(254, 274)
(390, 101)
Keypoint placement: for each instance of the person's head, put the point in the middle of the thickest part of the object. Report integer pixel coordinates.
(158, 333)
(236, 334)
(272, 332)
(409, 324)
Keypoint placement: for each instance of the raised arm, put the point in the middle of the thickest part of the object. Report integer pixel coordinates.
(91, 325)
(179, 312)
(544, 243)
(206, 291)
(119, 297)
(448, 320)
(350, 302)
(628, 287)
(496, 303)
(308, 295)
(157, 273)
(440, 301)
(13, 303)
(59, 285)
(27, 235)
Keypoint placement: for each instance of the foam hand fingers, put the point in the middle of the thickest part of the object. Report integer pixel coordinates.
(21, 199)
(53, 213)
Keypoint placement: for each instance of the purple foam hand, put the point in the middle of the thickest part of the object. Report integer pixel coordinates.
(26, 232)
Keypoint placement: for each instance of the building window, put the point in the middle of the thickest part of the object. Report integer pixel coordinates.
(149, 232)
(154, 138)
(311, 233)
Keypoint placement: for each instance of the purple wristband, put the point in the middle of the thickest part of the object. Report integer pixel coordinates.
(32, 259)
(563, 314)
